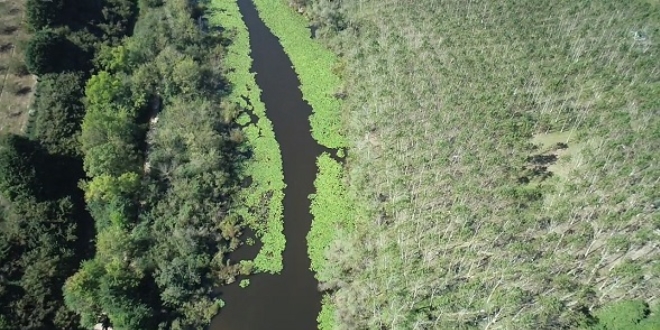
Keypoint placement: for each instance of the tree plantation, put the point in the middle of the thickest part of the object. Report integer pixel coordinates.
(502, 165)
(484, 164)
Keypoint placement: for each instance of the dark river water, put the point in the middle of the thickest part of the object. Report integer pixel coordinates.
(289, 301)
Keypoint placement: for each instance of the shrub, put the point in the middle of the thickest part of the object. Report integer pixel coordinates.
(43, 51)
(40, 14)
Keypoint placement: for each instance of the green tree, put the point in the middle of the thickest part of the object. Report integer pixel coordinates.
(40, 14)
(58, 112)
(115, 158)
(81, 292)
(18, 175)
(44, 52)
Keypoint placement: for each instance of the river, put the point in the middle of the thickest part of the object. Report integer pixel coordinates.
(289, 300)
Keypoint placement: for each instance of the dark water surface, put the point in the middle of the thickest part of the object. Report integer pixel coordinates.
(289, 301)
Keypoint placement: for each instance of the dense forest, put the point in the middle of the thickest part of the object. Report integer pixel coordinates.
(137, 174)
(44, 227)
(502, 166)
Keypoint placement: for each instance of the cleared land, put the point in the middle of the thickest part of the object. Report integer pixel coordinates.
(505, 156)
(16, 83)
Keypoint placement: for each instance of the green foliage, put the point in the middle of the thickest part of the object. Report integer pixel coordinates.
(333, 216)
(44, 229)
(43, 52)
(165, 224)
(326, 318)
(109, 130)
(80, 291)
(118, 18)
(105, 187)
(58, 112)
(626, 315)
(38, 232)
(244, 283)
(261, 202)
(114, 59)
(18, 175)
(314, 65)
(462, 219)
(40, 14)
(331, 210)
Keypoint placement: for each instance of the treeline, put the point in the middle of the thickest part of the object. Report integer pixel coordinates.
(44, 227)
(134, 132)
(162, 155)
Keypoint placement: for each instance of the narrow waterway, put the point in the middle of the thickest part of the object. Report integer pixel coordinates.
(290, 300)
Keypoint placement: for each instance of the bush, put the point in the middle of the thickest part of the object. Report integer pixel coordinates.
(40, 13)
(59, 111)
(43, 51)
(627, 315)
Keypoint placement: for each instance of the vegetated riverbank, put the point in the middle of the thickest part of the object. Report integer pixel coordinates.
(317, 69)
(260, 204)
(470, 222)
(333, 220)
(260, 305)
(172, 175)
(315, 66)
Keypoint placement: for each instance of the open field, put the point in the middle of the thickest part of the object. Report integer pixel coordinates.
(506, 157)
(16, 83)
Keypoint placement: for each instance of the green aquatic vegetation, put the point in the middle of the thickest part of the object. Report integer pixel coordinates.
(333, 218)
(243, 119)
(331, 210)
(326, 317)
(261, 202)
(314, 65)
(244, 283)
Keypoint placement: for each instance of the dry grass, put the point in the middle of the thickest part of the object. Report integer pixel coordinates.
(568, 155)
(16, 85)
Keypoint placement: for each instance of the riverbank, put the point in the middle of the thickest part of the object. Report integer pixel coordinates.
(261, 304)
(316, 67)
(265, 192)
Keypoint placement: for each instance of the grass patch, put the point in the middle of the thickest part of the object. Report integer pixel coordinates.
(262, 200)
(15, 84)
(314, 65)
(562, 145)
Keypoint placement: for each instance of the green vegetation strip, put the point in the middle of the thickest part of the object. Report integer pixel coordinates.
(330, 208)
(313, 63)
(265, 194)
